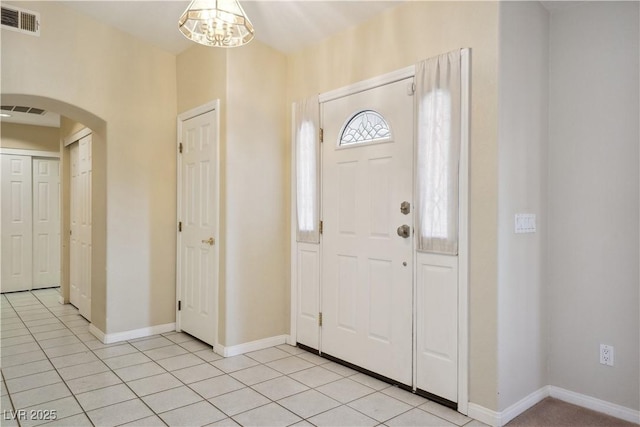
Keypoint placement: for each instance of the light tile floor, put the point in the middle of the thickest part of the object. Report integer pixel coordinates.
(50, 362)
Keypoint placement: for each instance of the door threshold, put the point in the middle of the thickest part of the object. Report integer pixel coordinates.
(439, 400)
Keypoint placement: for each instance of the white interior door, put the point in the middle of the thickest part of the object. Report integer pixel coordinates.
(198, 215)
(17, 231)
(74, 252)
(46, 223)
(80, 249)
(367, 267)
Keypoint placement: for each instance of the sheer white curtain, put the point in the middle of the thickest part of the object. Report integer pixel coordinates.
(438, 153)
(307, 145)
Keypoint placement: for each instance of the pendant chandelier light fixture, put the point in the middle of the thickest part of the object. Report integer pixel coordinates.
(220, 23)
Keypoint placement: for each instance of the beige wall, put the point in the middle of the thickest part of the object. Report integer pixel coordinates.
(398, 38)
(257, 231)
(125, 90)
(250, 83)
(29, 137)
(522, 143)
(593, 199)
(202, 77)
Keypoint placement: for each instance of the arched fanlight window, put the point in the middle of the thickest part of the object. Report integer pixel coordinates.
(365, 126)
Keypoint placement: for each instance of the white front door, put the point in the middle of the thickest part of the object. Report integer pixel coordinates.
(17, 230)
(46, 223)
(198, 216)
(80, 250)
(367, 266)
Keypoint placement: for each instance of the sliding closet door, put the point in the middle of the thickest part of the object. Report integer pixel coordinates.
(46, 223)
(16, 223)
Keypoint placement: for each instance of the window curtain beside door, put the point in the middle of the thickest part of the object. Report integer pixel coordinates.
(307, 149)
(438, 89)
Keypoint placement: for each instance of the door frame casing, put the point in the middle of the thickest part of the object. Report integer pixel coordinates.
(31, 153)
(463, 232)
(182, 117)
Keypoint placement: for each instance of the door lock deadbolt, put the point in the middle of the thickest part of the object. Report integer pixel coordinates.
(405, 208)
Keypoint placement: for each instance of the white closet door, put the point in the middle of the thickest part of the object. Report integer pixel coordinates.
(80, 250)
(198, 253)
(17, 233)
(46, 223)
(74, 273)
(85, 227)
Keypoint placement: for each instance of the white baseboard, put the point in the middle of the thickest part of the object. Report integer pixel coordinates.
(235, 350)
(598, 405)
(96, 332)
(61, 300)
(499, 419)
(523, 404)
(132, 334)
(483, 414)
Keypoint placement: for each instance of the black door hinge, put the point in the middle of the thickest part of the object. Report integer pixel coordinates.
(179, 305)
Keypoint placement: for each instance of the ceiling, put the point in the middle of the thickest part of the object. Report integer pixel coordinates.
(287, 26)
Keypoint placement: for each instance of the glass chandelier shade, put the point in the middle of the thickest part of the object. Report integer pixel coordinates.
(220, 23)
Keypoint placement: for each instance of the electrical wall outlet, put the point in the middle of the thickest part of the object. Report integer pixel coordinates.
(606, 354)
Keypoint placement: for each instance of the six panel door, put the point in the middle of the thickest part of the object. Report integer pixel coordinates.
(367, 267)
(198, 265)
(17, 230)
(46, 223)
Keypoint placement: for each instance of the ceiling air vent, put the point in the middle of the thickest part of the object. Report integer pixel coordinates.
(20, 109)
(21, 20)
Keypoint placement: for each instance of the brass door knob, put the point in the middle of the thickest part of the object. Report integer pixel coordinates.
(211, 241)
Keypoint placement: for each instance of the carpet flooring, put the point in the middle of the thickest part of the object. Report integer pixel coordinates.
(556, 413)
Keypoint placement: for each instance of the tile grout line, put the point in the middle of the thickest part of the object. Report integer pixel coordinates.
(374, 391)
(4, 381)
(120, 378)
(204, 362)
(54, 367)
(109, 370)
(222, 394)
(277, 402)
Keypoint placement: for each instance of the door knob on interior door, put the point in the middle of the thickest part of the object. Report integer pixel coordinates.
(211, 241)
(404, 231)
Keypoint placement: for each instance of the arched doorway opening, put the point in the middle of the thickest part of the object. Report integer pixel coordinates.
(77, 118)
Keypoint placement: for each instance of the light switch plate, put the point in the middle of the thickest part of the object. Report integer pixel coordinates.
(525, 223)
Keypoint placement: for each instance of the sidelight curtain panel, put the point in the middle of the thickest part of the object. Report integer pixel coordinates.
(307, 149)
(438, 88)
